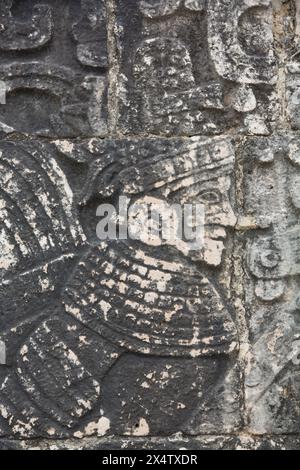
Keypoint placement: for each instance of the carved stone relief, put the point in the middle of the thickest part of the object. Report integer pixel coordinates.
(138, 342)
(91, 35)
(209, 78)
(59, 88)
(271, 187)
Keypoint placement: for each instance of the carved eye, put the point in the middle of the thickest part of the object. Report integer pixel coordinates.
(209, 196)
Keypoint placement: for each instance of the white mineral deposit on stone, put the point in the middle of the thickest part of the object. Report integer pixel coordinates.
(2, 353)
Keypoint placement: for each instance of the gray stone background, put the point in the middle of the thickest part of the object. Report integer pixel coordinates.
(120, 345)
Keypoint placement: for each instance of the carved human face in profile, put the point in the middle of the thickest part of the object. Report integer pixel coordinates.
(213, 195)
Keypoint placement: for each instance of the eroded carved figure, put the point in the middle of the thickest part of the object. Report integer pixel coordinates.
(272, 390)
(24, 35)
(54, 91)
(209, 79)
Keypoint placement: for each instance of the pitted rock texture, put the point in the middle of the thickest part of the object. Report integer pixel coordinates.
(200, 68)
(54, 64)
(123, 344)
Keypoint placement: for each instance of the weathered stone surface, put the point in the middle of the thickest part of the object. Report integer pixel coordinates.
(147, 343)
(175, 443)
(183, 72)
(54, 65)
